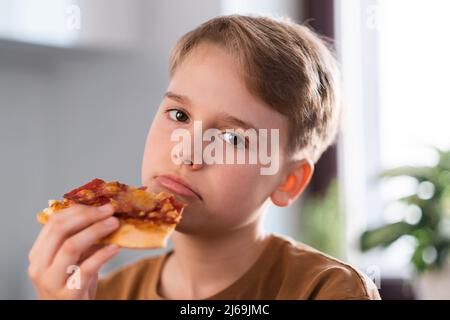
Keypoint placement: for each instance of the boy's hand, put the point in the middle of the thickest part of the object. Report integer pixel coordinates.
(67, 243)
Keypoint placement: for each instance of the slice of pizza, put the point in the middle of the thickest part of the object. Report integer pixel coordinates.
(146, 219)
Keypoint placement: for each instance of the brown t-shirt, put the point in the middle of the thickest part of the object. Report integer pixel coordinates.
(285, 269)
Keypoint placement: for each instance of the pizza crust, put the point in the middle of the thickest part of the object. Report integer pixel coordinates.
(137, 234)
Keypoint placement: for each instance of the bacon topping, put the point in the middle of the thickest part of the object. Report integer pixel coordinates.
(129, 202)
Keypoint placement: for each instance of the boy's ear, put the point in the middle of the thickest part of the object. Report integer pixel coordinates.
(294, 184)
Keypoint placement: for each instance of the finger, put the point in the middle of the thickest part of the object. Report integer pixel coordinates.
(91, 266)
(92, 287)
(57, 221)
(89, 252)
(74, 247)
(60, 226)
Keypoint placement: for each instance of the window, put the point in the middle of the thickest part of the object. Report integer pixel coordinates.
(395, 62)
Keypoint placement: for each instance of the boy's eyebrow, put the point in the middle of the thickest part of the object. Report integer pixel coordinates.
(224, 118)
(178, 97)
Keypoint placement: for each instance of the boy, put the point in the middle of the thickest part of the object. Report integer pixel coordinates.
(232, 72)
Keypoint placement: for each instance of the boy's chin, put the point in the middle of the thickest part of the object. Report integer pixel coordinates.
(189, 226)
(205, 228)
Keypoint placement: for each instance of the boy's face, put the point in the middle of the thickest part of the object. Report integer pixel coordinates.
(207, 87)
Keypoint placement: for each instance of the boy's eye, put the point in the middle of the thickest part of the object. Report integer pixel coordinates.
(178, 115)
(233, 139)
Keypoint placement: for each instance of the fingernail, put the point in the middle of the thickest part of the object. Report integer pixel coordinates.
(105, 208)
(111, 222)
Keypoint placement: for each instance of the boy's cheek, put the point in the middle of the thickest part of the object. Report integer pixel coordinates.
(158, 143)
(236, 186)
(155, 156)
(245, 189)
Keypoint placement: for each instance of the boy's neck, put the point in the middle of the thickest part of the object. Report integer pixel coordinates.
(205, 265)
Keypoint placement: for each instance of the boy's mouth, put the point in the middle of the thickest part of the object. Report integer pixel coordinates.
(177, 185)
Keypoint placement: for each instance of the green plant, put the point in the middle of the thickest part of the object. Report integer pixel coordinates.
(322, 222)
(431, 229)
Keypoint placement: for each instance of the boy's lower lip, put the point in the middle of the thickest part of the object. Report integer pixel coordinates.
(175, 187)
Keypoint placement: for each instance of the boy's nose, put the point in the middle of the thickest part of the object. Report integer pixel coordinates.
(186, 160)
(192, 165)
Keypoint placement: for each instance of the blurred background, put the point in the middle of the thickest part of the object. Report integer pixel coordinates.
(80, 82)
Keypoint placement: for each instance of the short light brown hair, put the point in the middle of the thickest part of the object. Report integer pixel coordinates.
(285, 64)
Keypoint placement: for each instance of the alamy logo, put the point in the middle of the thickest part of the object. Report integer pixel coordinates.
(73, 17)
(74, 280)
(374, 274)
(248, 146)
